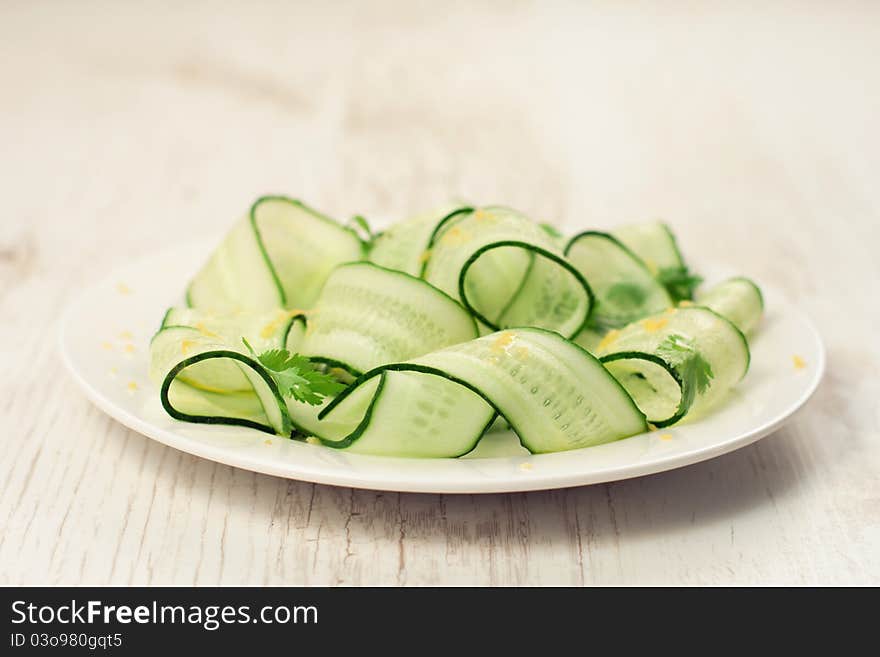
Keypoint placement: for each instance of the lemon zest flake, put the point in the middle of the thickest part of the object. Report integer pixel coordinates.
(201, 328)
(652, 325)
(455, 235)
(609, 339)
(502, 342)
(272, 327)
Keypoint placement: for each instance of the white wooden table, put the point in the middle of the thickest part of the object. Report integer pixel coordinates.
(125, 127)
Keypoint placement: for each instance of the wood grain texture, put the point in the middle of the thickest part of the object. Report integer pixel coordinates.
(128, 126)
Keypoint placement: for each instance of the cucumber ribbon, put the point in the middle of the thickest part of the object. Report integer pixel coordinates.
(444, 323)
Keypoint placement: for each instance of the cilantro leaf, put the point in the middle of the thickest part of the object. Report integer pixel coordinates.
(296, 375)
(679, 282)
(680, 352)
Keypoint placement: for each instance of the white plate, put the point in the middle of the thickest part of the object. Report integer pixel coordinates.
(104, 342)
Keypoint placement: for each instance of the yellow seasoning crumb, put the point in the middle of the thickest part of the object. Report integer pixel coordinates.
(186, 345)
(504, 340)
(269, 329)
(106, 346)
(521, 353)
(799, 363)
(671, 310)
(132, 386)
(311, 440)
(455, 235)
(267, 442)
(125, 335)
(609, 339)
(652, 325)
(652, 427)
(200, 327)
(122, 288)
(526, 467)
(129, 348)
(665, 436)
(685, 303)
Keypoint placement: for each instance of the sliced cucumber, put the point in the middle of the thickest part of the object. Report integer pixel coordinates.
(265, 330)
(625, 290)
(368, 316)
(738, 299)
(398, 412)
(677, 362)
(507, 271)
(655, 243)
(402, 330)
(404, 246)
(555, 396)
(205, 381)
(278, 256)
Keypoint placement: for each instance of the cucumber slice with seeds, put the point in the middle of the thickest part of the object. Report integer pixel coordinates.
(368, 315)
(554, 395)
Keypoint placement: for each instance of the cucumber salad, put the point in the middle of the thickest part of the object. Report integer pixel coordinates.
(418, 340)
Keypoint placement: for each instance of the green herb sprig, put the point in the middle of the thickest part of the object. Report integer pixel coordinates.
(296, 375)
(682, 354)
